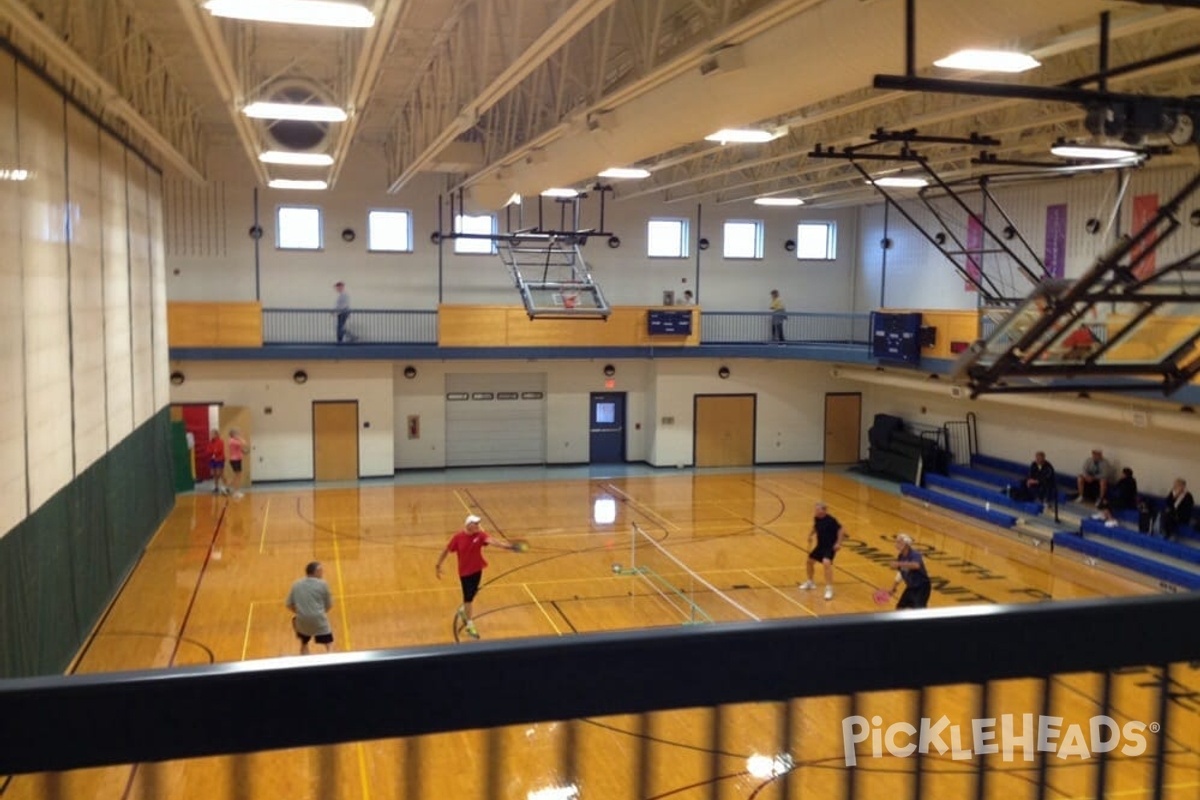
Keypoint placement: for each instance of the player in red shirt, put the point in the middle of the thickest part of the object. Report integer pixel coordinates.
(468, 545)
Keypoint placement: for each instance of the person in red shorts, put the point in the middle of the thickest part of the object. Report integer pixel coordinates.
(468, 546)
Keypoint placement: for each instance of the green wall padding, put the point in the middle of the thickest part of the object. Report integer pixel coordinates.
(181, 458)
(61, 566)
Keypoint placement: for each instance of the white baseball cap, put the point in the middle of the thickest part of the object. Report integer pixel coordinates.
(472, 518)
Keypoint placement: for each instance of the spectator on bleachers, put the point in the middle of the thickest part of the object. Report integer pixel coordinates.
(1176, 509)
(1122, 497)
(1038, 484)
(1092, 484)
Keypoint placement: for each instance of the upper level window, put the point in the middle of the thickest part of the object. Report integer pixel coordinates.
(389, 231)
(298, 228)
(816, 241)
(743, 238)
(667, 238)
(479, 224)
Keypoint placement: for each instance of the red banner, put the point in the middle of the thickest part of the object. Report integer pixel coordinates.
(1145, 207)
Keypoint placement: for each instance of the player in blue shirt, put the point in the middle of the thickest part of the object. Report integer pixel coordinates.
(910, 567)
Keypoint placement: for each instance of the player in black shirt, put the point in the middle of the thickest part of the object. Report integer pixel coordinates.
(910, 566)
(829, 534)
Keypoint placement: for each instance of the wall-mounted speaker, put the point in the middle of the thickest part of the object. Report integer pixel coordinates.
(177, 378)
(300, 376)
(609, 370)
(723, 373)
(410, 372)
(348, 235)
(614, 242)
(790, 245)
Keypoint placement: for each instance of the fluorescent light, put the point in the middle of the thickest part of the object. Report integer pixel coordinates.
(294, 12)
(1094, 152)
(514, 199)
(778, 201)
(561, 193)
(896, 182)
(989, 61)
(304, 112)
(287, 183)
(625, 172)
(297, 159)
(15, 174)
(743, 136)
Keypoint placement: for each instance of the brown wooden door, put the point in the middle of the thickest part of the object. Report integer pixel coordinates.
(237, 418)
(335, 441)
(843, 428)
(724, 430)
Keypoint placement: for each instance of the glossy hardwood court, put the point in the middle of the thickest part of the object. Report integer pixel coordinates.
(211, 587)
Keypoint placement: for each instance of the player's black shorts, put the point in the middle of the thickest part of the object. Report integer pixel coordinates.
(470, 586)
(322, 638)
(820, 553)
(915, 597)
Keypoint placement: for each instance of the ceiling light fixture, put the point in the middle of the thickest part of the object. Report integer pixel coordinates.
(744, 136)
(989, 61)
(625, 172)
(561, 193)
(1094, 152)
(304, 112)
(898, 182)
(296, 159)
(778, 201)
(288, 183)
(294, 12)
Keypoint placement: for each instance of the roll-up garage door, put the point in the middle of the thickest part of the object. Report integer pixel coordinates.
(495, 419)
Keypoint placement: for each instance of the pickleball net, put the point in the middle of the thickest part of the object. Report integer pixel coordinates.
(696, 599)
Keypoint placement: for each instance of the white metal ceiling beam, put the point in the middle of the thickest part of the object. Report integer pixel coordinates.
(140, 95)
(211, 44)
(389, 15)
(456, 121)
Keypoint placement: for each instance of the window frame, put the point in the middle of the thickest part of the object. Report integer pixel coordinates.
(408, 215)
(759, 239)
(684, 232)
(280, 208)
(458, 227)
(831, 230)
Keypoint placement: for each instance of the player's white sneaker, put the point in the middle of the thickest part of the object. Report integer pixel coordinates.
(808, 585)
(828, 592)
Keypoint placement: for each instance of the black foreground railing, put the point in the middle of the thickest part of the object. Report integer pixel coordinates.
(62, 723)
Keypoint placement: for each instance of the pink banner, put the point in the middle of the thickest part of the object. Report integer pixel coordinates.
(1145, 208)
(974, 257)
(1056, 240)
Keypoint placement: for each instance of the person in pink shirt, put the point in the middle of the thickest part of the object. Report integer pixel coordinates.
(236, 447)
(468, 546)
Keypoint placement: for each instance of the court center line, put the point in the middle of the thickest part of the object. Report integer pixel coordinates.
(541, 608)
(782, 593)
(246, 637)
(262, 539)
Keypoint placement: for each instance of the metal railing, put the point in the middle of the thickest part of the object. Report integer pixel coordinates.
(319, 326)
(739, 327)
(66, 723)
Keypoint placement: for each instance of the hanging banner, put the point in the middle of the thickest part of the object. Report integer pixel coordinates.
(1145, 208)
(974, 257)
(1056, 240)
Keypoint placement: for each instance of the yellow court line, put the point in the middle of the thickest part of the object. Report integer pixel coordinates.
(637, 506)
(341, 593)
(782, 593)
(538, 603)
(246, 638)
(262, 539)
(466, 506)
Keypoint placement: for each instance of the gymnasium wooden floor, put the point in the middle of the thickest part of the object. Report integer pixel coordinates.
(211, 587)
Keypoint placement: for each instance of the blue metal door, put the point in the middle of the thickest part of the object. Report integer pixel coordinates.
(607, 425)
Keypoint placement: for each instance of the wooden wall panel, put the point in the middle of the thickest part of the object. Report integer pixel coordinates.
(214, 324)
(508, 326)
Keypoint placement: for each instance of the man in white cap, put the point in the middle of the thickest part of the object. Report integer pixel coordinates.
(910, 570)
(468, 546)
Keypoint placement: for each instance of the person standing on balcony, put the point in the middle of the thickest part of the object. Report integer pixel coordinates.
(778, 316)
(342, 311)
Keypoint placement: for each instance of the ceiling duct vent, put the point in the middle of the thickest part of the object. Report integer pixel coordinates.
(301, 135)
(725, 60)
